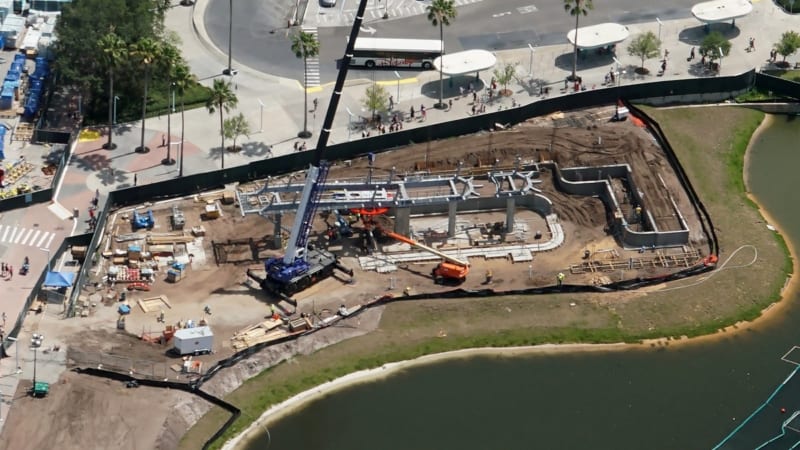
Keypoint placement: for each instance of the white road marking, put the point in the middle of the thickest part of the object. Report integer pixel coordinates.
(41, 241)
(27, 235)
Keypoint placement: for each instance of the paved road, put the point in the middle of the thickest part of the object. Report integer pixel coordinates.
(261, 37)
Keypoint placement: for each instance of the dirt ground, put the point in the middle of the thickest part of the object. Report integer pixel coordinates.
(576, 140)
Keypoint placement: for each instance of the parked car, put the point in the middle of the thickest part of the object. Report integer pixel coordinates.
(327, 3)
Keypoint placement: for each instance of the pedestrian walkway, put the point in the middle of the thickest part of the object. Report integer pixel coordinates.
(344, 12)
(25, 236)
(312, 63)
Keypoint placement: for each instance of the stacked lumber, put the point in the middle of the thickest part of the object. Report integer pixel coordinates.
(168, 238)
(266, 331)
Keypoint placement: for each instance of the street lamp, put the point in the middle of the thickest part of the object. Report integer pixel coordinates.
(530, 64)
(229, 71)
(350, 123)
(385, 9)
(48, 257)
(659, 29)
(16, 352)
(398, 85)
(619, 73)
(261, 123)
(114, 116)
(173, 97)
(720, 58)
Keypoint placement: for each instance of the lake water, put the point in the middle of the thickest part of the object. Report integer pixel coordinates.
(676, 398)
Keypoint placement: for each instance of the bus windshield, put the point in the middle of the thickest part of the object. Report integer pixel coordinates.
(401, 53)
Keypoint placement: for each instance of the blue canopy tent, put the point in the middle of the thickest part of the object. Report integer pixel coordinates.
(59, 279)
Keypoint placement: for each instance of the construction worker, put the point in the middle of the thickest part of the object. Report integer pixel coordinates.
(161, 316)
(489, 276)
(407, 291)
(207, 310)
(560, 278)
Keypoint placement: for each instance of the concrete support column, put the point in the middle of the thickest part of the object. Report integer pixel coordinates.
(452, 209)
(511, 208)
(402, 220)
(276, 240)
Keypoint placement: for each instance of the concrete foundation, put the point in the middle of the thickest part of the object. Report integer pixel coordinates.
(402, 220)
(452, 211)
(511, 206)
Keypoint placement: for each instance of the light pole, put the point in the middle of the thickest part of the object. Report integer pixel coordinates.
(230, 40)
(16, 352)
(48, 257)
(720, 58)
(114, 116)
(398, 85)
(261, 123)
(619, 73)
(385, 9)
(173, 97)
(659, 29)
(530, 64)
(349, 124)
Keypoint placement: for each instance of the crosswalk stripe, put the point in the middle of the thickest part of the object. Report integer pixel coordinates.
(19, 236)
(25, 240)
(49, 241)
(13, 233)
(41, 241)
(1, 228)
(35, 235)
(5, 233)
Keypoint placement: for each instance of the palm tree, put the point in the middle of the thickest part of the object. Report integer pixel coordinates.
(577, 8)
(222, 98)
(440, 12)
(183, 78)
(170, 58)
(114, 52)
(305, 45)
(146, 51)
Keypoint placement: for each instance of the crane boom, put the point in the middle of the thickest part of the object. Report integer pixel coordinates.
(414, 243)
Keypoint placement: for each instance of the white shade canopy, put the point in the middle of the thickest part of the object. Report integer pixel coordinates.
(597, 36)
(468, 61)
(721, 10)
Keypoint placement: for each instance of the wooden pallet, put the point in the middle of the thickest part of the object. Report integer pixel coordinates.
(153, 303)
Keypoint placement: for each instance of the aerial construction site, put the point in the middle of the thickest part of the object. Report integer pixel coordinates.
(559, 201)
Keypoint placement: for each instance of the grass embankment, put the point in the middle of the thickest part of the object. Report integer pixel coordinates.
(711, 143)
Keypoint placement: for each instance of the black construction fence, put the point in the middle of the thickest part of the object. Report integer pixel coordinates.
(675, 91)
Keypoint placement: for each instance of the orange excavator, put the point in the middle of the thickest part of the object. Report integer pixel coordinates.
(451, 269)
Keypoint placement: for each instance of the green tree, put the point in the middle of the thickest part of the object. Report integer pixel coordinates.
(79, 56)
(146, 53)
(788, 45)
(114, 54)
(577, 8)
(235, 127)
(504, 76)
(376, 98)
(183, 78)
(712, 44)
(645, 46)
(305, 45)
(170, 59)
(440, 13)
(222, 99)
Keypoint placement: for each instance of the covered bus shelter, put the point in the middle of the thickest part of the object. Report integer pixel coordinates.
(604, 36)
(721, 11)
(468, 61)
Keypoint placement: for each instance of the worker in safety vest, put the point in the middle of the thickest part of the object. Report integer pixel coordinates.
(560, 278)
(489, 276)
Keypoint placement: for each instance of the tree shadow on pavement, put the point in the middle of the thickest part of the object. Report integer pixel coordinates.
(695, 35)
(251, 149)
(92, 162)
(118, 178)
(452, 87)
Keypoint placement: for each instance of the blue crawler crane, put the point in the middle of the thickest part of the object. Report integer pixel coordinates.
(304, 265)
